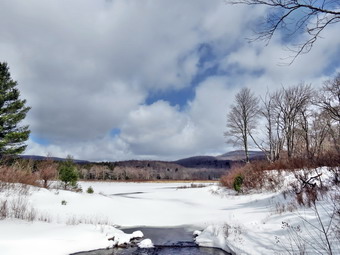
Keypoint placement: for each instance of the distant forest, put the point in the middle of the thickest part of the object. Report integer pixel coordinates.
(192, 168)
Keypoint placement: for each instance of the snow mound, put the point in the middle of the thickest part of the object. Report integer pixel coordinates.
(146, 243)
(120, 238)
(197, 233)
(137, 234)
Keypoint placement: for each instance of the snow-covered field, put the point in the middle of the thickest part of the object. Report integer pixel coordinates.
(67, 222)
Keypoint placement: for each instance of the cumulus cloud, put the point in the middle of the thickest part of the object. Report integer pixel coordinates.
(157, 122)
(87, 68)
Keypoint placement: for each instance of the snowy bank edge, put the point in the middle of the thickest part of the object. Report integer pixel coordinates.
(213, 237)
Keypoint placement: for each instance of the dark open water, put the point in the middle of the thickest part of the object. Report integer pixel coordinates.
(167, 241)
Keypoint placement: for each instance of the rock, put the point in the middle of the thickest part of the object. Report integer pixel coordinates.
(123, 245)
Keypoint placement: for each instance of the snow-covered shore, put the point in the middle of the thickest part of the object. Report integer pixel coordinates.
(245, 224)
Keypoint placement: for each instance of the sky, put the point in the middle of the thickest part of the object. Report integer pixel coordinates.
(113, 80)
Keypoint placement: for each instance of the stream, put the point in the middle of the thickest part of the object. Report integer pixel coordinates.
(167, 241)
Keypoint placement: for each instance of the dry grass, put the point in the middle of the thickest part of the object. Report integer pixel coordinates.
(192, 186)
(17, 208)
(91, 220)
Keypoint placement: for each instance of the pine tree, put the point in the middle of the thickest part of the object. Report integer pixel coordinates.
(68, 172)
(12, 112)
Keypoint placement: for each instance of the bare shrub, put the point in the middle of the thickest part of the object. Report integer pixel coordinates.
(18, 173)
(255, 177)
(3, 209)
(258, 176)
(289, 164)
(47, 170)
(335, 170)
(227, 180)
(308, 186)
(192, 186)
(92, 220)
(31, 214)
(316, 235)
(10, 189)
(285, 207)
(300, 199)
(44, 218)
(18, 207)
(293, 242)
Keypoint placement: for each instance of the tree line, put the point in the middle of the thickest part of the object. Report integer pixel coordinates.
(294, 122)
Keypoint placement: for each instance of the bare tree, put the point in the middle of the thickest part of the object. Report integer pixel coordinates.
(242, 119)
(274, 138)
(304, 120)
(309, 17)
(318, 132)
(334, 133)
(289, 103)
(329, 98)
(329, 101)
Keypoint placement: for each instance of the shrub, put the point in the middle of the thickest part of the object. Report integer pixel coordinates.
(3, 209)
(63, 202)
(314, 234)
(90, 190)
(227, 180)
(17, 208)
(47, 170)
(18, 172)
(238, 181)
(255, 176)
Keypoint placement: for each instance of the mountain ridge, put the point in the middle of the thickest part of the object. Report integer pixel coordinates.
(201, 161)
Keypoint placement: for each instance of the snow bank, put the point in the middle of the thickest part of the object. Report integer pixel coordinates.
(39, 238)
(213, 236)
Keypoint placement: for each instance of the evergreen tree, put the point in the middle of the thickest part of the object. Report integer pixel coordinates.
(68, 173)
(12, 112)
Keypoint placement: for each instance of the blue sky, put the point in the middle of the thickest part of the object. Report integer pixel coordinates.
(114, 80)
(181, 97)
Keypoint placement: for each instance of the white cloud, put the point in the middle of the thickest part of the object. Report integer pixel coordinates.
(87, 67)
(157, 129)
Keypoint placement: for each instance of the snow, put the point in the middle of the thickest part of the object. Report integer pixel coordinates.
(243, 224)
(213, 236)
(121, 238)
(20, 237)
(197, 233)
(137, 234)
(146, 243)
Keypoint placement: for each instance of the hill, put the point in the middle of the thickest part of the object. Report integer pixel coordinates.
(35, 157)
(238, 155)
(204, 162)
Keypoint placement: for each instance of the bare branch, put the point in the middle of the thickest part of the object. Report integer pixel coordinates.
(314, 17)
